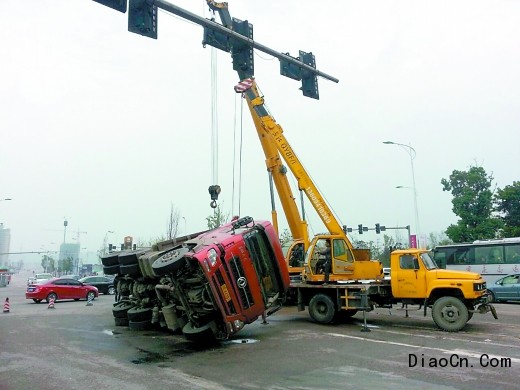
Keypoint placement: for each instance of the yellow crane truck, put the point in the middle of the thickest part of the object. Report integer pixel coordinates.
(453, 296)
(356, 282)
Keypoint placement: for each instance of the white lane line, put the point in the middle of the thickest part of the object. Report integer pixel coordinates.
(446, 351)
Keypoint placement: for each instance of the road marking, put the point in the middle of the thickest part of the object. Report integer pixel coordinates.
(485, 342)
(446, 351)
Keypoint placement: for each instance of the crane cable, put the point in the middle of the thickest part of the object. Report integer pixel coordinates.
(214, 189)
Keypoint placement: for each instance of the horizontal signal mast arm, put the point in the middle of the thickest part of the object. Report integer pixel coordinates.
(230, 33)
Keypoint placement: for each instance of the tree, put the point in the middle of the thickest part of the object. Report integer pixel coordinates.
(218, 218)
(67, 264)
(286, 237)
(507, 204)
(47, 263)
(173, 223)
(438, 239)
(473, 203)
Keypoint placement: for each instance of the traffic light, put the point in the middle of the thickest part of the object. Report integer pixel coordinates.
(118, 5)
(242, 53)
(288, 69)
(378, 228)
(360, 229)
(216, 39)
(110, 247)
(142, 18)
(309, 79)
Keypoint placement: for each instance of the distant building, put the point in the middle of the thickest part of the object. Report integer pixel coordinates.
(5, 242)
(70, 251)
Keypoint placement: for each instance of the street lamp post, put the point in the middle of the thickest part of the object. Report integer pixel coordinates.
(411, 152)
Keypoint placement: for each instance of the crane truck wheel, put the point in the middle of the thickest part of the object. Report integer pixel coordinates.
(321, 309)
(450, 314)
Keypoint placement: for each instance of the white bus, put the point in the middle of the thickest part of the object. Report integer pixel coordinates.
(490, 258)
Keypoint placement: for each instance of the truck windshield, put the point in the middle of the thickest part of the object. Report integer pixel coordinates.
(264, 262)
(428, 261)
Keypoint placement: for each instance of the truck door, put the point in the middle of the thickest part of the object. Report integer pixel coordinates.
(410, 277)
(342, 261)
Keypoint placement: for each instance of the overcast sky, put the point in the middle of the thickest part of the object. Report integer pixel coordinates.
(107, 129)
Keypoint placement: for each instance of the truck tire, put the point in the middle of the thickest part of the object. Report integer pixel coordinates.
(132, 270)
(110, 259)
(130, 258)
(140, 325)
(450, 314)
(120, 309)
(321, 309)
(137, 315)
(121, 321)
(170, 261)
(111, 269)
(200, 334)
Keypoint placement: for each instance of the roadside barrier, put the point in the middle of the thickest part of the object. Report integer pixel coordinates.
(6, 305)
(51, 304)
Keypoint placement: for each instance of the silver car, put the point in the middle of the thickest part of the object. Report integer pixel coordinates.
(506, 288)
(38, 278)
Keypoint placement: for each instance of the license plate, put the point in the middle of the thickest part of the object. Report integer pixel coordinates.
(30, 289)
(225, 291)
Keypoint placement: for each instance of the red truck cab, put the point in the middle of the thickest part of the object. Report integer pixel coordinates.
(222, 279)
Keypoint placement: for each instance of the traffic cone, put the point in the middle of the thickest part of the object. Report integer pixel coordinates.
(89, 301)
(51, 304)
(6, 305)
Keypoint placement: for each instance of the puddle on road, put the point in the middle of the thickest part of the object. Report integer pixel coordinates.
(183, 349)
(240, 341)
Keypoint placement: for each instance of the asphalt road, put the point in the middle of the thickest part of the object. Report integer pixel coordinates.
(76, 346)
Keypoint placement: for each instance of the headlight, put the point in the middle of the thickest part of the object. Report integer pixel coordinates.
(238, 324)
(211, 260)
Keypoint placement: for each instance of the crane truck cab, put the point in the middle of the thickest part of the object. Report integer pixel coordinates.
(346, 262)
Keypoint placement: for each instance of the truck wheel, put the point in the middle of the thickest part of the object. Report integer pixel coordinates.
(171, 261)
(121, 321)
(450, 314)
(200, 334)
(321, 308)
(137, 315)
(120, 310)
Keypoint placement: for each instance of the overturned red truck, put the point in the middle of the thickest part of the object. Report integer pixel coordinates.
(207, 285)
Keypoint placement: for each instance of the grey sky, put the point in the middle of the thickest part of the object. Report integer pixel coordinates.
(107, 128)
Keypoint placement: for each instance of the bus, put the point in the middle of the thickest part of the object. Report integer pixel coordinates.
(492, 259)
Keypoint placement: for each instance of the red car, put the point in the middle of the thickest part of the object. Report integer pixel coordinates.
(60, 288)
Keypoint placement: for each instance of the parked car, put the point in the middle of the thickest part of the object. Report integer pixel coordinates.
(104, 285)
(60, 288)
(36, 278)
(506, 288)
(75, 277)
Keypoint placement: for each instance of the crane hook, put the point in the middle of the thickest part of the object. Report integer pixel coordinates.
(214, 191)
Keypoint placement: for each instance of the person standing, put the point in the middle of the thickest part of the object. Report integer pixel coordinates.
(325, 263)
